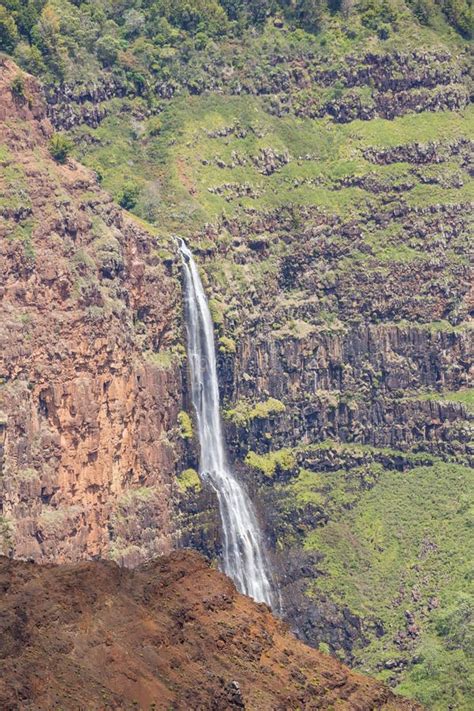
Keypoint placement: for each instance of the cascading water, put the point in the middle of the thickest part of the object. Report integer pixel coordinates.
(244, 558)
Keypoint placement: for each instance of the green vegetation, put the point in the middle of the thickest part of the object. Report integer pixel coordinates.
(6, 536)
(163, 359)
(185, 425)
(189, 480)
(60, 147)
(134, 497)
(244, 411)
(129, 196)
(139, 40)
(269, 464)
(176, 181)
(217, 309)
(305, 489)
(297, 329)
(392, 543)
(442, 677)
(465, 397)
(27, 474)
(17, 87)
(53, 520)
(23, 232)
(227, 345)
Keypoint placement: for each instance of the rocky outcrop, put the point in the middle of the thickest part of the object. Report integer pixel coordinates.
(174, 633)
(377, 84)
(90, 385)
(423, 153)
(353, 387)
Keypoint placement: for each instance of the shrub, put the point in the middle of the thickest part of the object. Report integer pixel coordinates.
(60, 147)
(268, 464)
(189, 480)
(129, 196)
(17, 87)
(227, 345)
(185, 425)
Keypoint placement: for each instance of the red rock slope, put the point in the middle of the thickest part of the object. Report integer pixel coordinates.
(88, 393)
(173, 634)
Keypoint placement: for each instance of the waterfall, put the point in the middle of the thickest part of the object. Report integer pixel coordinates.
(243, 557)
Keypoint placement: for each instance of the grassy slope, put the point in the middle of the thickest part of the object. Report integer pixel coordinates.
(170, 167)
(404, 534)
(392, 545)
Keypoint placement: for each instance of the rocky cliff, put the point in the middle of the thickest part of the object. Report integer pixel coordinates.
(369, 85)
(345, 362)
(90, 383)
(171, 634)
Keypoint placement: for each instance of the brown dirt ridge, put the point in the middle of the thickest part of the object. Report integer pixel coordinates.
(171, 634)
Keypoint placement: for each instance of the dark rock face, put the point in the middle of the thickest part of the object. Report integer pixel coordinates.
(370, 363)
(392, 84)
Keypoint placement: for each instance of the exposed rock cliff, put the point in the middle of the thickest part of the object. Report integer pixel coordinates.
(90, 387)
(172, 634)
(375, 84)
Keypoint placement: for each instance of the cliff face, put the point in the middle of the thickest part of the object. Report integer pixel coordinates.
(172, 634)
(295, 81)
(335, 256)
(90, 388)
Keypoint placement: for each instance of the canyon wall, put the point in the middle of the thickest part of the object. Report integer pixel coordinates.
(90, 376)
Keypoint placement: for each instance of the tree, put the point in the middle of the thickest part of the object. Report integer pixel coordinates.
(8, 31)
(134, 24)
(197, 16)
(107, 49)
(27, 16)
(307, 13)
(254, 12)
(47, 36)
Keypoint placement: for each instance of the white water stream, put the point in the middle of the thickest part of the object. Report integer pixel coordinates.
(243, 556)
